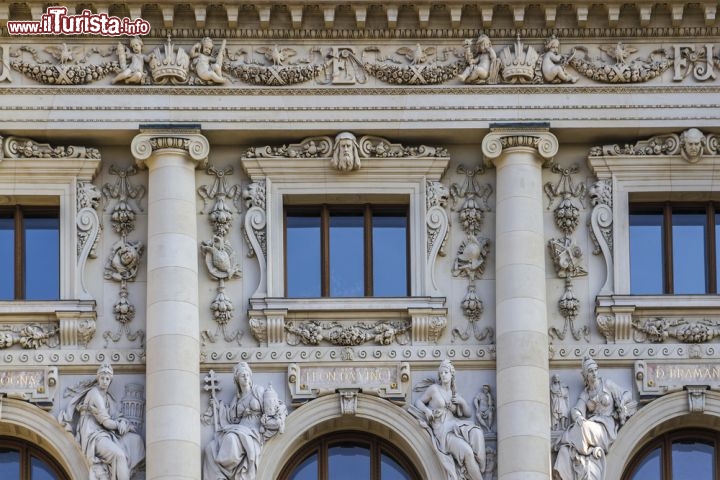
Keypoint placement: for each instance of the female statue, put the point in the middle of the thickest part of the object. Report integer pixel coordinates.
(460, 442)
(601, 409)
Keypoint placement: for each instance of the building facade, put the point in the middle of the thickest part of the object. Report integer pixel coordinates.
(435, 240)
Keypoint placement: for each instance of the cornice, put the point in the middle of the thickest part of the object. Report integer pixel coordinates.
(419, 18)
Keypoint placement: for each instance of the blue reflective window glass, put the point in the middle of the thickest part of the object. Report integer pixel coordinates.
(40, 470)
(7, 259)
(307, 470)
(391, 470)
(347, 256)
(646, 253)
(42, 258)
(693, 460)
(349, 462)
(9, 464)
(688, 246)
(389, 248)
(303, 259)
(650, 468)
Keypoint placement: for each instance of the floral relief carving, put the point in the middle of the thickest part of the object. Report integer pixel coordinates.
(470, 200)
(275, 68)
(316, 332)
(220, 258)
(61, 65)
(566, 254)
(17, 147)
(621, 68)
(659, 330)
(31, 337)
(123, 263)
(419, 66)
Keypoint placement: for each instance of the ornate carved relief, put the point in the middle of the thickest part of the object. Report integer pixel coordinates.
(659, 330)
(483, 66)
(566, 254)
(601, 409)
(520, 64)
(17, 147)
(559, 404)
(88, 229)
(601, 220)
(124, 260)
(62, 65)
(485, 409)
(93, 413)
(220, 258)
(208, 67)
(253, 417)
(621, 69)
(275, 68)
(690, 144)
(694, 60)
(459, 444)
(131, 63)
(437, 222)
(5, 64)
(553, 63)
(316, 332)
(473, 250)
(169, 65)
(255, 232)
(419, 66)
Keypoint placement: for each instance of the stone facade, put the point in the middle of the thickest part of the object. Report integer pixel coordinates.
(515, 134)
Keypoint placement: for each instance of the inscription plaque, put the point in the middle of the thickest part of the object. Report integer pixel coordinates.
(386, 380)
(35, 385)
(658, 378)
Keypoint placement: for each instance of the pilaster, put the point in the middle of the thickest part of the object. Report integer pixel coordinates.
(518, 153)
(173, 322)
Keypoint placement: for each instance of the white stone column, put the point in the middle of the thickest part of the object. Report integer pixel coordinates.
(523, 404)
(173, 320)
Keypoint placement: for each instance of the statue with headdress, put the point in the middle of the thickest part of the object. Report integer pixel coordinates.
(602, 408)
(108, 440)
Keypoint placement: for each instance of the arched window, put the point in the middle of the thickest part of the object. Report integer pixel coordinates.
(351, 456)
(678, 455)
(20, 460)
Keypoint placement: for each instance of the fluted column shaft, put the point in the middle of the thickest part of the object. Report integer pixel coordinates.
(523, 405)
(173, 319)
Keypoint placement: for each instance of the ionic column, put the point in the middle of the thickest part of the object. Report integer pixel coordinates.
(173, 320)
(523, 405)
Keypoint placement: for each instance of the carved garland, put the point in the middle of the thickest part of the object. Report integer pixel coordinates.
(220, 257)
(472, 253)
(124, 260)
(475, 62)
(566, 254)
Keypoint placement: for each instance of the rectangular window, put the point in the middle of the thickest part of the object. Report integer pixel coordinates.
(674, 248)
(29, 253)
(346, 251)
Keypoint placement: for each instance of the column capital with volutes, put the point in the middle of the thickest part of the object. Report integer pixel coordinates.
(504, 139)
(187, 141)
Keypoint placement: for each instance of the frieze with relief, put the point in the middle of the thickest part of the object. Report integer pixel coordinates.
(316, 333)
(691, 144)
(210, 62)
(17, 147)
(36, 384)
(659, 330)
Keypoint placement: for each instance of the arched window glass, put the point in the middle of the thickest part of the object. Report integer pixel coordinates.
(21, 460)
(350, 456)
(678, 455)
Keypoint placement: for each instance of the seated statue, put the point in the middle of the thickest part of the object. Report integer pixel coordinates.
(107, 439)
(601, 409)
(460, 443)
(241, 429)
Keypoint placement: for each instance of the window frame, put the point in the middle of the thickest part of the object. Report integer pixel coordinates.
(667, 209)
(27, 451)
(665, 442)
(321, 445)
(369, 211)
(19, 212)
